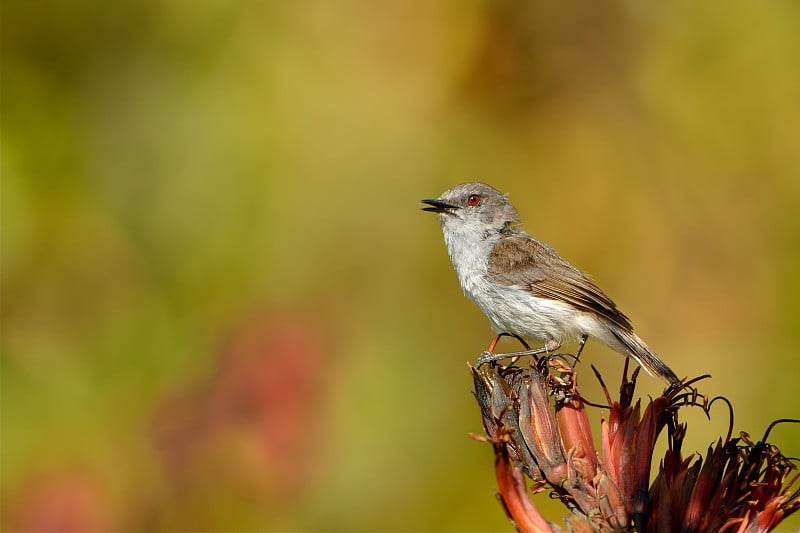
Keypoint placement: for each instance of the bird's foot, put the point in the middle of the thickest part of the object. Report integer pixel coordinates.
(491, 357)
(488, 357)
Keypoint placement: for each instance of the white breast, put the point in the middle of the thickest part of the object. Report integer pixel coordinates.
(510, 309)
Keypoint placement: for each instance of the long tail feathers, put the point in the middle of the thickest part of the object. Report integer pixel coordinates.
(644, 356)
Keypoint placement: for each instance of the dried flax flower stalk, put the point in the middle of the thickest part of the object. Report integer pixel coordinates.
(537, 422)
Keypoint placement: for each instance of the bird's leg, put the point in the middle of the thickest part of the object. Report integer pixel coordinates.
(488, 357)
(581, 344)
(497, 339)
(577, 355)
(490, 349)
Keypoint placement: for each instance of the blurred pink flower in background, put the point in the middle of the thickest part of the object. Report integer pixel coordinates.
(254, 422)
(67, 501)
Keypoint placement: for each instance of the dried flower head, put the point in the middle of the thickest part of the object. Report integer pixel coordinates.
(537, 422)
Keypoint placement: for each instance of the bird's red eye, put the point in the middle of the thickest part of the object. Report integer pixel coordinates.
(473, 200)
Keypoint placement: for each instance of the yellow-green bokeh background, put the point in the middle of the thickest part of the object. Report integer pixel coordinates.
(172, 169)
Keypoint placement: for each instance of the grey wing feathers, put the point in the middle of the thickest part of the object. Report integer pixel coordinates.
(548, 275)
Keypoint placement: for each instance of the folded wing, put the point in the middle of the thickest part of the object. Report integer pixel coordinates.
(522, 260)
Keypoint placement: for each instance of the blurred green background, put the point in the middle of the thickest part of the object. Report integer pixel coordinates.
(223, 310)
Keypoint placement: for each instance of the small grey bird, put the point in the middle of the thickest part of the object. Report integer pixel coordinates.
(523, 286)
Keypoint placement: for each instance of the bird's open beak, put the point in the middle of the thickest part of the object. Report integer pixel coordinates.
(437, 206)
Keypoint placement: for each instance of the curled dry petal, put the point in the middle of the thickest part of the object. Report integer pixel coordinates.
(539, 430)
(514, 495)
(573, 424)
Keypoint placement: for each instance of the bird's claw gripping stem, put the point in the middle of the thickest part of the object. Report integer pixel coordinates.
(490, 357)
